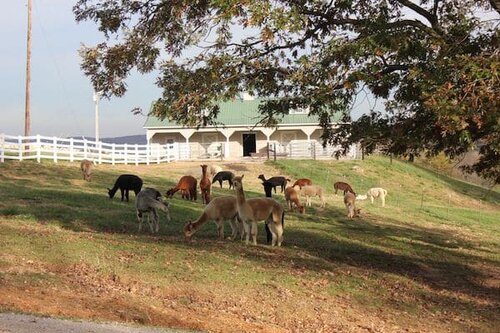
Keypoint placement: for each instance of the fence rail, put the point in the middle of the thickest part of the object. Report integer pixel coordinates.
(63, 149)
(60, 149)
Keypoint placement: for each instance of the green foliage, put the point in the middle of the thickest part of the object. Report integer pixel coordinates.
(434, 61)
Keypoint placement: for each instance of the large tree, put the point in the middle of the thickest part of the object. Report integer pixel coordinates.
(435, 62)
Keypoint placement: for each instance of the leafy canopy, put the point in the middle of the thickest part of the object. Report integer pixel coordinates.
(435, 62)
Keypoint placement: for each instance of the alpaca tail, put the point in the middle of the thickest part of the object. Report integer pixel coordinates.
(283, 220)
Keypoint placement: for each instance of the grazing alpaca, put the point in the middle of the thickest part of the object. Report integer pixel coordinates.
(377, 192)
(187, 186)
(252, 210)
(147, 202)
(343, 187)
(310, 191)
(86, 167)
(126, 183)
(276, 181)
(205, 185)
(224, 175)
(218, 210)
(302, 182)
(291, 196)
(350, 203)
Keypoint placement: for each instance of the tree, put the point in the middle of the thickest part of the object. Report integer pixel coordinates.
(434, 61)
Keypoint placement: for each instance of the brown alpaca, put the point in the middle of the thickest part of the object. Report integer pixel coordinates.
(291, 196)
(350, 204)
(302, 182)
(187, 186)
(205, 185)
(343, 187)
(218, 210)
(86, 167)
(253, 210)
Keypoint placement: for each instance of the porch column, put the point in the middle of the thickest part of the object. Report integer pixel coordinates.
(308, 131)
(267, 131)
(227, 132)
(186, 133)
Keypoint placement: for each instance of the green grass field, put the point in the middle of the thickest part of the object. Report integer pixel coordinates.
(427, 262)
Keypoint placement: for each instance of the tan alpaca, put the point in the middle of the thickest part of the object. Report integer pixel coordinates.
(86, 167)
(292, 197)
(218, 210)
(350, 204)
(264, 209)
(377, 192)
(310, 191)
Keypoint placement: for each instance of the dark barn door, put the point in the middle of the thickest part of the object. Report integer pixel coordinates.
(249, 145)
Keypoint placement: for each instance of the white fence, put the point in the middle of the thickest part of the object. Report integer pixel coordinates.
(59, 149)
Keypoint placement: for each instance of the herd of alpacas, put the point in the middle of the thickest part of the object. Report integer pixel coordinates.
(243, 214)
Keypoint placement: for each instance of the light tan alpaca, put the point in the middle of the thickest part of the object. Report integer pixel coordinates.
(86, 167)
(350, 204)
(377, 192)
(205, 185)
(264, 209)
(310, 191)
(147, 202)
(292, 197)
(218, 210)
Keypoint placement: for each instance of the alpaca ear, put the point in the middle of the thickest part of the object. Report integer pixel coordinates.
(242, 176)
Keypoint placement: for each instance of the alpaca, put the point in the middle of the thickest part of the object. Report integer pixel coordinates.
(205, 185)
(377, 192)
(147, 202)
(252, 210)
(343, 187)
(213, 169)
(350, 203)
(187, 186)
(126, 183)
(224, 175)
(302, 182)
(310, 191)
(86, 167)
(276, 181)
(291, 196)
(218, 210)
(268, 190)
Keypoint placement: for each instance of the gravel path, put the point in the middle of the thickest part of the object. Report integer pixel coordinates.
(21, 323)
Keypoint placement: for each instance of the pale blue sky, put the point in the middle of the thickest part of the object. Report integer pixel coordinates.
(61, 101)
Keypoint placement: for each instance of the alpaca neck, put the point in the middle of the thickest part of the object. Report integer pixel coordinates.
(240, 196)
(199, 222)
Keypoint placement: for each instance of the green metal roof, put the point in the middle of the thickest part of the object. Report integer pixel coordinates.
(240, 113)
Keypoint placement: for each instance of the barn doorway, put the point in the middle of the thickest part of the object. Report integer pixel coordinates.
(249, 144)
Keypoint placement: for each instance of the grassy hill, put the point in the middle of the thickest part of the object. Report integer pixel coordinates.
(427, 262)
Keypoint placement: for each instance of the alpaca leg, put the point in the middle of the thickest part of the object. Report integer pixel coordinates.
(156, 220)
(126, 194)
(254, 232)
(371, 199)
(246, 226)
(382, 197)
(220, 228)
(139, 219)
(122, 191)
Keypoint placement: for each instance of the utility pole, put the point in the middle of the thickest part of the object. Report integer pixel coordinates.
(27, 108)
(96, 100)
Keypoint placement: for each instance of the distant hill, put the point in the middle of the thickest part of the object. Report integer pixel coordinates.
(129, 139)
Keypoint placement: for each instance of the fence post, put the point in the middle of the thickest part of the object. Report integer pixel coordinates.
(147, 153)
(98, 145)
(113, 154)
(19, 147)
(2, 148)
(54, 148)
(71, 153)
(125, 146)
(268, 150)
(136, 154)
(84, 148)
(313, 144)
(38, 148)
(275, 151)
(158, 148)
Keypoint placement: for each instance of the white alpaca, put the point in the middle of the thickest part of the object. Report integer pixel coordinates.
(147, 202)
(377, 192)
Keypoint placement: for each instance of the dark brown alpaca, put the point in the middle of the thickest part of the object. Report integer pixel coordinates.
(205, 185)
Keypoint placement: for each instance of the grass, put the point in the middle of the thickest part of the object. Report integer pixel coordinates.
(429, 261)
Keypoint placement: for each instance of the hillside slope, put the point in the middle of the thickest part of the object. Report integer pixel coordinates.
(427, 262)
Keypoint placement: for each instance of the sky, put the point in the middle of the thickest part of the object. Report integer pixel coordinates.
(61, 95)
(62, 102)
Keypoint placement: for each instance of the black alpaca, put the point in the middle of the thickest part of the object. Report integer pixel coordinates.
(224, 175)
(126, 183)
(276, 181)
(268, 189)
